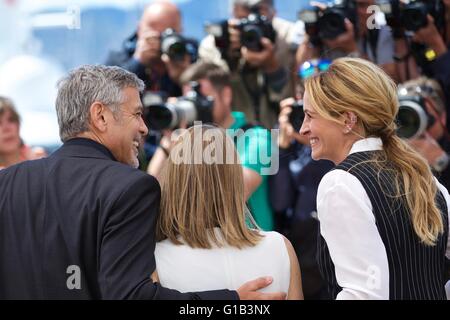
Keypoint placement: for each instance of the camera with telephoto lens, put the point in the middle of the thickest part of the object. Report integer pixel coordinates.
(412, 16)
(328, 23)
(252, 28)
(177, 47)
(413, 119)
(161, 115)
(297, 115)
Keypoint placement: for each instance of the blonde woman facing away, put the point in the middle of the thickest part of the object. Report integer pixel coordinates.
(383, 216)
(204, 241)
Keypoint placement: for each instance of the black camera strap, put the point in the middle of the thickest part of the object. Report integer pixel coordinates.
(405, 59)
(255, 92)
(371, 38)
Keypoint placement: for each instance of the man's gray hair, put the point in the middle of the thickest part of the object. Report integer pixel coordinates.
(84, 86)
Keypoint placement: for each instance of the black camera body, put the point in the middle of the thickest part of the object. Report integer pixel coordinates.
(219, 30)
(253, 28)
(412, 16)
(162, 115)
(329, 23)
(177, 47)
(297, 115)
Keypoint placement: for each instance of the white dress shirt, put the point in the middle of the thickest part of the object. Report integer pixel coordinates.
(348, 225)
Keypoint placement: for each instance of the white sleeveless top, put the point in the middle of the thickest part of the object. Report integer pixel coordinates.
(188, 270)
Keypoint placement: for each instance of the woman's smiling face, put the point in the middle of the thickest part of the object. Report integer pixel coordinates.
(325, 136)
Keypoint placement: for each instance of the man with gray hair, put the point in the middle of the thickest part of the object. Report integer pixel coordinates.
(80, 223)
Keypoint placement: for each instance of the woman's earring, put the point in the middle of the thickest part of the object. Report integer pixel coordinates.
(353, 120)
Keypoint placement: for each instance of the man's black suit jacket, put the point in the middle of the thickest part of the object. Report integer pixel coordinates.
(80, 210)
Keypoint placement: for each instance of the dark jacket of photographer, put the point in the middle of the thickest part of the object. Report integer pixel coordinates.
(441, 72)
(293, 192)
(154, 81)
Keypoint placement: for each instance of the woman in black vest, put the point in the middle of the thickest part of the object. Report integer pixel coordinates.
(383, 216)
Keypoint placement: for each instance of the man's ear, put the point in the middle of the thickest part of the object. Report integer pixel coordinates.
(98, 117)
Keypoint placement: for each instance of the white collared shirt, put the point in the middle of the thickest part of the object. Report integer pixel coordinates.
(348, 225)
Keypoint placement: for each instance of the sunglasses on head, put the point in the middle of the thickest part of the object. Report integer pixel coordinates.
(312, 67)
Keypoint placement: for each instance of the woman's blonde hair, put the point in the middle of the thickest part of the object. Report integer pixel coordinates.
(359, 86)
(199, 195)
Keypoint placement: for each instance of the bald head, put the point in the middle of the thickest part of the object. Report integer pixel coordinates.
(159, 16)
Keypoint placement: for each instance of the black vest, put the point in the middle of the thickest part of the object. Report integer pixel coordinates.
(416, 271)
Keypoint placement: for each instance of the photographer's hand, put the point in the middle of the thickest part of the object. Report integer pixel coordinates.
(264, 59)
(430, 36)
(148, 47)
(235, 36)
(306, 51)
(428, 148)
(286, 130)
(346, 41)
(168, 140)
(176, 68)
(447, 21)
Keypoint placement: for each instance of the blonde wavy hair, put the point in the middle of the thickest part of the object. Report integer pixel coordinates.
(196, 198)
(359, 86)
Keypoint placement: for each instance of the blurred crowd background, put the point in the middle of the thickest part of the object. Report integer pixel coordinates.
(255, 84)
(43, 39)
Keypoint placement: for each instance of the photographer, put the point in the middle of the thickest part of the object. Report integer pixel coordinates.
(261, 72)
(433, 144)
(293, 192)
(439, 42)
(215, 82)
(422, 37)
(357, 36)
(153, 54)
(142, 53)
